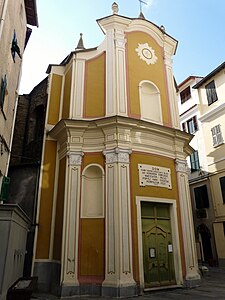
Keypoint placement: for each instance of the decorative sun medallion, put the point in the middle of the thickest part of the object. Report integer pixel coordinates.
(146, 53)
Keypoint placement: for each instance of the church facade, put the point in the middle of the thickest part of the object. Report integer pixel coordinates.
(114, 213)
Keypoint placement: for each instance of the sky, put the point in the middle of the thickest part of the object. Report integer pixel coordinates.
(197, 25)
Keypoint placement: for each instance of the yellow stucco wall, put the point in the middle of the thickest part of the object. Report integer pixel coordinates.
(92, 232)
(46, 200)
(57, 247)
(93, 158)
(67, 94)
(94, 104)
(54, 100)
(92, 254)
(150, 191)
(139, 70)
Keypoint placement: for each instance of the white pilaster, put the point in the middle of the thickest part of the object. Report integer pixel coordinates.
(187, 221)
(121, 92)
(110, 74)
(119, 271)
(78, 89)
(116, 91)
(71, 220)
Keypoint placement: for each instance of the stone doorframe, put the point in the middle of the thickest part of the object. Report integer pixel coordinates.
(175, 238)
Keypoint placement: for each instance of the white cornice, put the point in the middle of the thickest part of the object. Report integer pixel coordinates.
(121, 132)
(212, 114)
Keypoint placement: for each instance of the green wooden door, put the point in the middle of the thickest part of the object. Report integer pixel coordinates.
(157, 244)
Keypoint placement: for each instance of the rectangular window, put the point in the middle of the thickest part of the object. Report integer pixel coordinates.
(222, 186)
(194, 160)
(217, 135)
(185, 95)
(192, 125)
(201, 197)
(211, 92)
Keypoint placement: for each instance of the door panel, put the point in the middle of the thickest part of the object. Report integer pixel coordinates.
(157, 246)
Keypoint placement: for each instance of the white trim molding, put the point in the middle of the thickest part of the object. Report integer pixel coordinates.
(187, 222)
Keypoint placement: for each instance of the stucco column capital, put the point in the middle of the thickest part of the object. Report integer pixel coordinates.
(117, 155)
(75, 158)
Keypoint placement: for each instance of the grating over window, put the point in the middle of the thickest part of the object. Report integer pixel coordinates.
(211, 92)
(217, 135)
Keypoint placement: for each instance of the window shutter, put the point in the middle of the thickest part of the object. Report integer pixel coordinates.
(5, 189)
(217, 135)
(3, 90)
(195, 123)
(15, 48)
(222, 185)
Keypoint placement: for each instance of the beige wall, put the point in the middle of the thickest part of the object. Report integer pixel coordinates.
(220, 242)
(219, 206)
(15, 18)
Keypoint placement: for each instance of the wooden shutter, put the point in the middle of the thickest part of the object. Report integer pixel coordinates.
(5, 189)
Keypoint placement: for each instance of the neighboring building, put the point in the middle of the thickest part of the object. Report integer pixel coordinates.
(25, 162)
(200, 189)
(14, 34)
(202, 114)
(114, 213)
(14, 223)
(211, 91)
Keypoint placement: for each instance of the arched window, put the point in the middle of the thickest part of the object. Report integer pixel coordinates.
(150, 102)
(92, 200)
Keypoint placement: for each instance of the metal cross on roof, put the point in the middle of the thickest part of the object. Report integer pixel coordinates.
(142, 2)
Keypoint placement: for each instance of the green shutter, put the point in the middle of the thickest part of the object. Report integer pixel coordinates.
(5, 188)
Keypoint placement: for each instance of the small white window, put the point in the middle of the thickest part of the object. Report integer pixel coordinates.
(217, 136)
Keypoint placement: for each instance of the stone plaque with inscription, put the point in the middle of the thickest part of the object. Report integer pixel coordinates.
(154, 176)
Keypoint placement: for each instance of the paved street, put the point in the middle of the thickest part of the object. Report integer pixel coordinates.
(212, 287)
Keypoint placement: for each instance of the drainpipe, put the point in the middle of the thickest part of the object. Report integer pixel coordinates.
(3, 14)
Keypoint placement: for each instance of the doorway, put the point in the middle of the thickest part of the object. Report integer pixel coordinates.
(158, 254)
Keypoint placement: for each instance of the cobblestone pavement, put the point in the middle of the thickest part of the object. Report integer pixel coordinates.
(212, 287)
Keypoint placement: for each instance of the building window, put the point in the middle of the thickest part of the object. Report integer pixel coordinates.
(217, 135)
(192, 125)
(194, 160)
(211, 92)
(3, 91)
(201, 197)
(222, 186)
(185, 95)
(15, 48)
